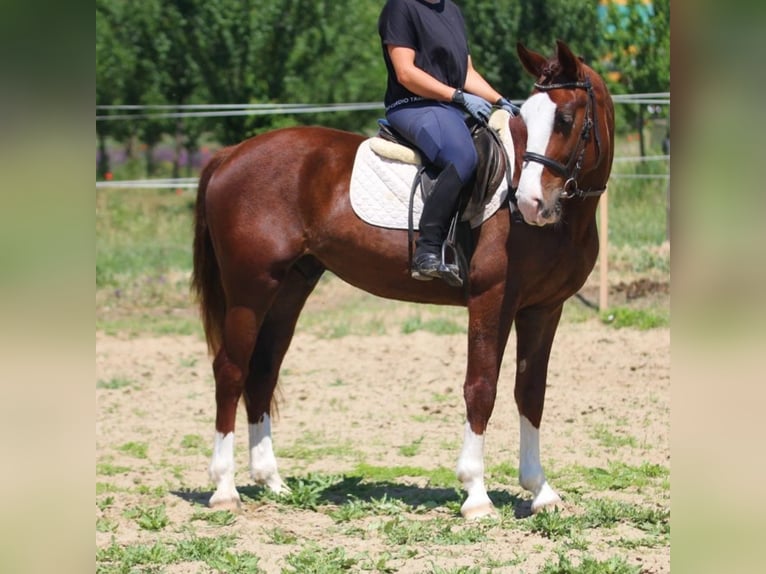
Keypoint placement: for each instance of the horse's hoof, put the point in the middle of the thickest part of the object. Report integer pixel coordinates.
(230, 502)
(484, 510)
(547, 503)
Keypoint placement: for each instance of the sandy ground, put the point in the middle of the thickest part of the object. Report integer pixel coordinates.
(367, 397)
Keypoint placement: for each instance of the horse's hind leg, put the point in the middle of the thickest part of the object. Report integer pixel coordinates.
(230, 369)
(535, 331)
(273, 341)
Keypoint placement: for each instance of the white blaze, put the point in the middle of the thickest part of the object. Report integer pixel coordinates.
(538, 113)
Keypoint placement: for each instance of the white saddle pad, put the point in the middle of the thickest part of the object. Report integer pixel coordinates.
(381, 187)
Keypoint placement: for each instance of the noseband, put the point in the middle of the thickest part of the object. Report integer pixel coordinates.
(571, 170)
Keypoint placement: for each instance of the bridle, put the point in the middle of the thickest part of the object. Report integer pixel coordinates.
(572, 169)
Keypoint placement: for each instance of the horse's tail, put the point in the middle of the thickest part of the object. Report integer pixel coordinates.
(206, 277)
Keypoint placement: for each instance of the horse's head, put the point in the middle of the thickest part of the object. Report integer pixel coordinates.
(570, 122)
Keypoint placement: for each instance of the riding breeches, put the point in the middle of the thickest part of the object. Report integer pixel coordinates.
(438, 130)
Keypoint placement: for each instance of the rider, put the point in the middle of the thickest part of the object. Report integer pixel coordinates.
(431, 83)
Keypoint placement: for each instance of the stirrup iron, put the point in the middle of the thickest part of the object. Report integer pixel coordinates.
(450, 272)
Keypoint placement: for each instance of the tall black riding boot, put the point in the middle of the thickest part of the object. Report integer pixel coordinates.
(435, 219)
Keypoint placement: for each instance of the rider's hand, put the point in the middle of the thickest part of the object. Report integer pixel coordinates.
(478, 107)
(505, 104)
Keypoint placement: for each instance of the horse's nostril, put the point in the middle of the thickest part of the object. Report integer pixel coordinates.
(539, 204)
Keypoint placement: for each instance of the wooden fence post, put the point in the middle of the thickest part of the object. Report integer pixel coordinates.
(603, 254)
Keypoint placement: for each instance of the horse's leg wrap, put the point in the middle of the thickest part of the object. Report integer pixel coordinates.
(470, 471)
(531, 475)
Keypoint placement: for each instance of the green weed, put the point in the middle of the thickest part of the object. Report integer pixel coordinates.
(402, 531)
(411, 449)
(437, 326)
(355, 508)
(195, 444)
(105, 525)
(553, 524)
(319, 560)
(153, 518)
(440, 476)
(607, 439)
(135, 449)
(108, 469)
(280, 536)
(588, 565)
(114, 383)
(643, 319)
(619, 476)
(216, 517)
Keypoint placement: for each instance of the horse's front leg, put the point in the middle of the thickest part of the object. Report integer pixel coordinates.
(535, 330)
(487, 335)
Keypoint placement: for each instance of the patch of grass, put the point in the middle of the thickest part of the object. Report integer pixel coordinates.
(411, 449)
(402, 531)
(619, 476)
(588, 565)
(311, 447)
(280, 536)
(215, 552)
(305, 492)
(134, 449)
(642, 319)
(437, 326)
(105, 525)
(216, 517)
(355, 508)
(440, 476)
(553, 524)
(105, 503)
(114, 383)
(436, 569)
(195, 444)
(153, 518)
(109, 469)
(608, 439)
(318, 560)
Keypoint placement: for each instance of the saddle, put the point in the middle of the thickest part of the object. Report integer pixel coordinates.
(491, 169)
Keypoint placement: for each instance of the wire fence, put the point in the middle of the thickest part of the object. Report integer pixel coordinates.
(167, 111)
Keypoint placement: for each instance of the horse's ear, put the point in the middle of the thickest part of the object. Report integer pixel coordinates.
(532, 61)
(569, 62)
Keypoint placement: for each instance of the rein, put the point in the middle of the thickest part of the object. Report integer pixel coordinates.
(572, 169)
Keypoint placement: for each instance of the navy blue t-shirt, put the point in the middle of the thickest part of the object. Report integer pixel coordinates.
(436, 32)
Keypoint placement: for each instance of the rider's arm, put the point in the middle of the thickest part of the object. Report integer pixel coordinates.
(477, 85)
(415, 79)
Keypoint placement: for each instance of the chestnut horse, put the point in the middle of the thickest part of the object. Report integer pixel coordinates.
(273, 213)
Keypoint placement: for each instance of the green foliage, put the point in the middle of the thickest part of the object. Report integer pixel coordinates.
(152, 518)
(588, 565)
(215, 552)
(114, 383)
(639, 318)
(135, 449)
(216, 517)
(437, 326)
(619, 476)
(553, 524)
(318, 560)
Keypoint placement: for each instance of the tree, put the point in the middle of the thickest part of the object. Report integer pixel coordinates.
(637, 36)
(494, 27)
